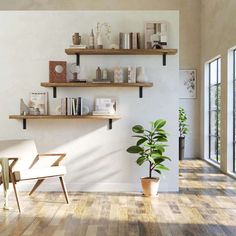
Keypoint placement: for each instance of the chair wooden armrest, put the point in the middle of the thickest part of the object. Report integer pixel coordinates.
(57, 162)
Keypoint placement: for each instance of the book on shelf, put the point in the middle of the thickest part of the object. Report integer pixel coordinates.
(78, 46)
(72, 106)
(38, 104)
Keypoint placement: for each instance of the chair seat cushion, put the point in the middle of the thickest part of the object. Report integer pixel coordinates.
(40, 173)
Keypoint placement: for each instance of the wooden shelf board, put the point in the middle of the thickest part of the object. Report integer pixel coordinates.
(73, 51)
(105, 117)
(90, 84)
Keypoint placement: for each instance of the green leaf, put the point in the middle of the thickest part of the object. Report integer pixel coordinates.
(158, 171)
(134, 149)
(141, 141)
(161, 167)
(141, 160)
(162, 139)
(138, 136)
(159, 124)
(138, 129)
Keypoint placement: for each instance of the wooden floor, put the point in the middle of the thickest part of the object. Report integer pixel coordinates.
(205, 205)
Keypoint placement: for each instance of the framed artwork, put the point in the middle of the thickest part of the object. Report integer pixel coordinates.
(38, 103)
(187, 84)
(57, 71)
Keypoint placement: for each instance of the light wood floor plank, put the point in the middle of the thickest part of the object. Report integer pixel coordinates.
(205, 206)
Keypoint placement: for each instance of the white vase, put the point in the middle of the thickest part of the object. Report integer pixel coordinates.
(99, 41)
(141, 76)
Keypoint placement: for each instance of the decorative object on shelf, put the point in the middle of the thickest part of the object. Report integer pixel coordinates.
(38, 103)
(114, 46)
(131, 74)
(24, 109)
(102, 27)
(118, 75)
(125, 40)
(105, 106)
(104, 74)
(73, 107)
(183, 130)
(76, 39)
(151, 148)
(91, 40)
(141, 76)
(188, 83)
(57, 71)
(98, 74)
(156, 34)
(78, 46)
(75, 71)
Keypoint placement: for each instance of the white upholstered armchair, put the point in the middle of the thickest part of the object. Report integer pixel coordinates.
(24, 163)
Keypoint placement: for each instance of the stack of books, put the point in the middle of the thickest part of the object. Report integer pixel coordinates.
(80, 46)
(72, 106)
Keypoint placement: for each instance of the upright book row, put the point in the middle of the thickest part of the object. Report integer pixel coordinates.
(72, 106)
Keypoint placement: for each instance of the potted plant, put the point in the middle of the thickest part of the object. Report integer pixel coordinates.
(150, 148)
(183, 130)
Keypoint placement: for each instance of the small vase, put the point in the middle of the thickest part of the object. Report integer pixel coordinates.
(76, 38)
(99, 41)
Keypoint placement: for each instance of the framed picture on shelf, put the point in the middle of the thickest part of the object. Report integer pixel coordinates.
(156, 34)
(38, 104)
(187, 84)
(105, 106)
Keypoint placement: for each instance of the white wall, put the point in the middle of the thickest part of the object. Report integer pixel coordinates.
(218, 35)
(96, 156)
(189, 41)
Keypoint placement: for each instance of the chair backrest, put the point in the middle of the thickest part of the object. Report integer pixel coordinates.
(24, 149)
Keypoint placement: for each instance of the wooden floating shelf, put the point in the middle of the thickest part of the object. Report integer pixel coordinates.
(78, 52)
(90, 84)
(56, 117)
(74, 51)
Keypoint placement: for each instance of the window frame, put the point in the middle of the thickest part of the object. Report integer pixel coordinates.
(217, 110)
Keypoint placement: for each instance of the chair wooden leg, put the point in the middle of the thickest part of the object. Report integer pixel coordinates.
(15, 190)
(36, 185)
(64, 189)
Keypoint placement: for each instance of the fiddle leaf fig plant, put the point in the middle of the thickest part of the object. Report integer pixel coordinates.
(150, 146)
(183, 126)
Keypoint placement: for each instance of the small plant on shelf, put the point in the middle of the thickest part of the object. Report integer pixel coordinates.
(183, 130)
(150, 147)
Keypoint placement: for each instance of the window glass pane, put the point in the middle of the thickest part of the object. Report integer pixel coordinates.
(213, 148)
(218, 146)
(213, 72)
(219, 70)
(234, 64)
(213, 98)
(213, 123)
(218, 123)
(218, 96)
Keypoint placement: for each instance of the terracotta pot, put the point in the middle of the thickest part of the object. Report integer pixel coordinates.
(150, 186)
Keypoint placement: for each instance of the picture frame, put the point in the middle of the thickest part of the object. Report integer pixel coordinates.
(156, 34)
(188, 84)
(57, 71)
(38, 103)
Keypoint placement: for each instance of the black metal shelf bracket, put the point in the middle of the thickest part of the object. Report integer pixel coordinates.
(77, 59)
(110, 124)
(164, 59)
(54, 92)
(140, 91)
(24, 123)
